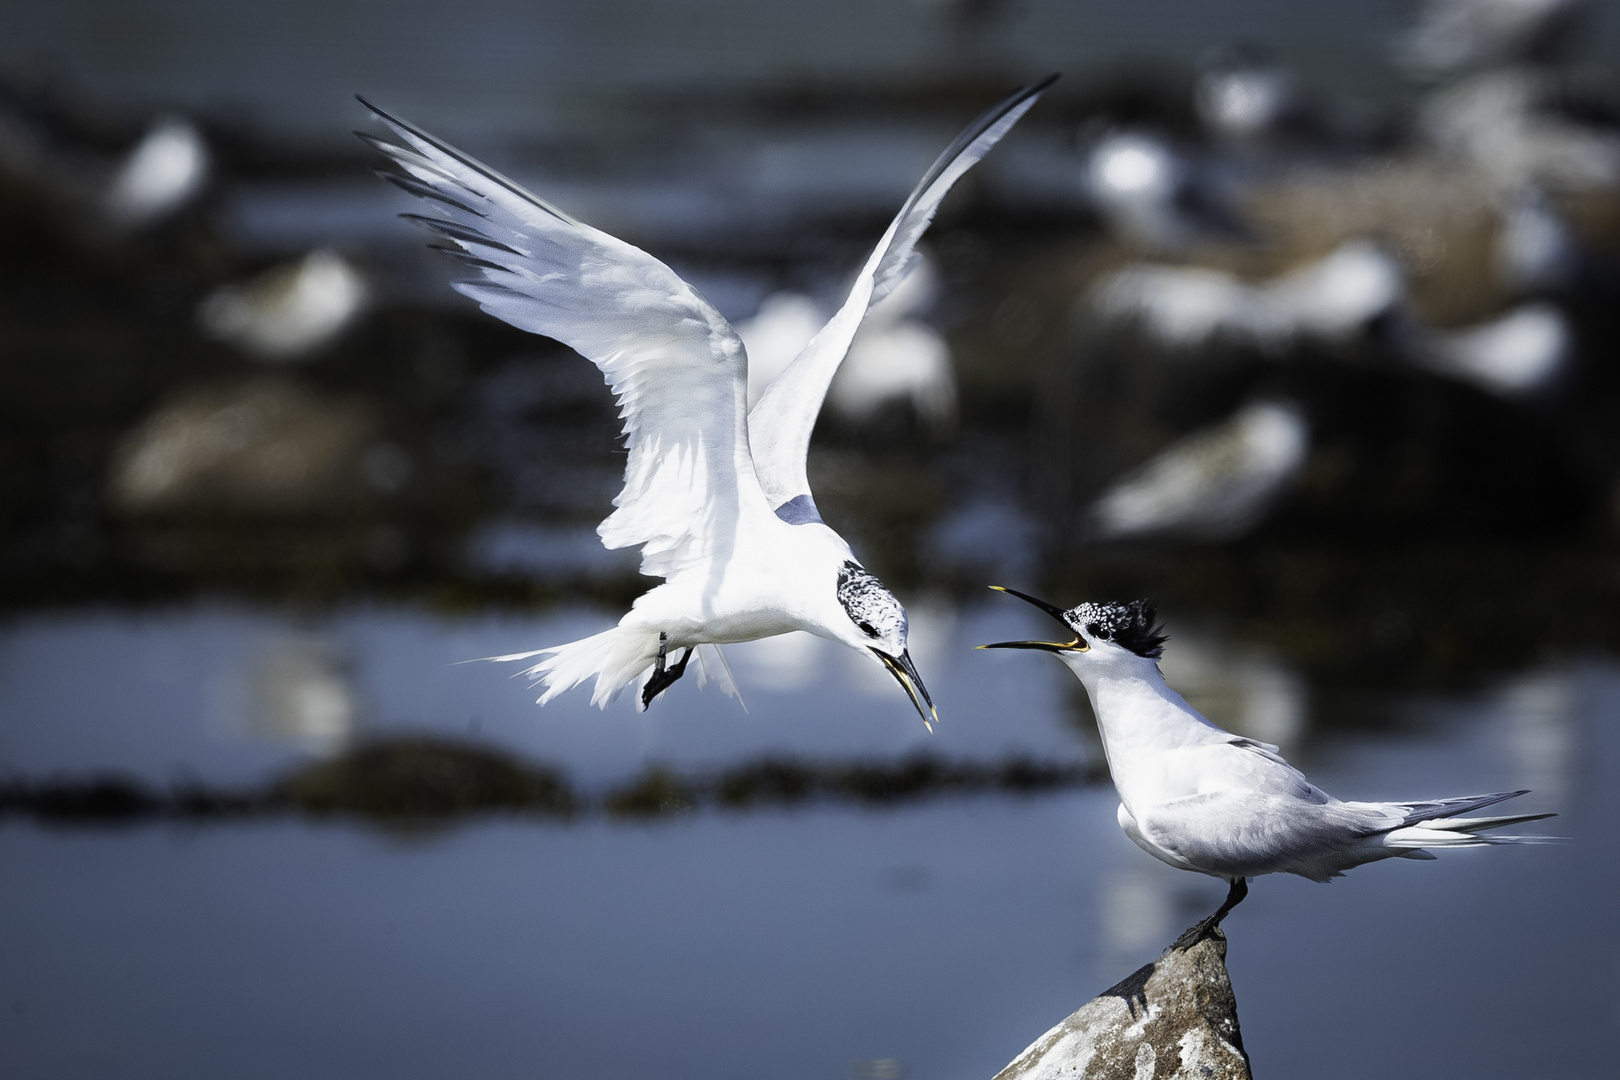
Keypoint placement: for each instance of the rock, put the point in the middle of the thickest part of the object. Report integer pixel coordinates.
(1175, 1018)
(422, 778)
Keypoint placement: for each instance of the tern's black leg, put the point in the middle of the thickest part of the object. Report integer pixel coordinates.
(663, 678)
(1234, 896)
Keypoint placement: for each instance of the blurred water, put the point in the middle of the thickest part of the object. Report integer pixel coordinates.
(810, 943)
(223, 694)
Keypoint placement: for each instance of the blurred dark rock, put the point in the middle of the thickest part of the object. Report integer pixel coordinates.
(415, 779)
(773, 781)
(101, 799)
(780, 781)
(1175, 1019)
(419, 780)
(657, 792)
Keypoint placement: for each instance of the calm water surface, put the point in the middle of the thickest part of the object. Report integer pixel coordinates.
(819, 942)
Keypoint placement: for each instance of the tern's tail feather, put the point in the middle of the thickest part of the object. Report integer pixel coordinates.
(615, 657)
(1432, 824)
(712, 667)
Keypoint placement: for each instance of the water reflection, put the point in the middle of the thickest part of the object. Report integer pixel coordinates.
(296, 689)
(1540, 714)
(1135, 914)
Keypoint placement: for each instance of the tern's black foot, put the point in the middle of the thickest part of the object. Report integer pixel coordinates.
(1234, 896)
(663, 677)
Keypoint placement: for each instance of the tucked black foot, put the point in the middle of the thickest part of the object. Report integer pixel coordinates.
(663, 677)
(1234, 896)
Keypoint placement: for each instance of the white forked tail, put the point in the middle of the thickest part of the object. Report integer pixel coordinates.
(616, 658)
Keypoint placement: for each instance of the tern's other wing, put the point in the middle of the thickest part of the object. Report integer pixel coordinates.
(782, 419)
(676, 366)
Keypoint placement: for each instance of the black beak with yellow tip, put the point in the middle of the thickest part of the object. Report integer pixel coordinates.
(905, 672)
(1079, 644)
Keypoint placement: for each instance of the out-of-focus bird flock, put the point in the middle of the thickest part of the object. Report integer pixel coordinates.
(1313, 361)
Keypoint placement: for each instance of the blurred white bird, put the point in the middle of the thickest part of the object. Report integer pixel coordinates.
(1452, 35)
(715, 494)
(1242, 98)
(1149, 192)
(1202, 799)
(1505, 125)
(1535, 250)
(1214, 484)
(165, 170)
(1185, 307)
(905, 360)
(299, 690)
(897, 357)
(778, 332)
(287, 312)
(894, 356)
(1516, 354)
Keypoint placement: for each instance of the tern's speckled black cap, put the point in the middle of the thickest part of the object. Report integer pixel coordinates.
(1132, 626)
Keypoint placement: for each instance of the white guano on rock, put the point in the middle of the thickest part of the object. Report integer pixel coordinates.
(1175, 1019)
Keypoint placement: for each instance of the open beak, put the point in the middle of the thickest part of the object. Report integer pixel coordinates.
(906, 673)
(1078, 644)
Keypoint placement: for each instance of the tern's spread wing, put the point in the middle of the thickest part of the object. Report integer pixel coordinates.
(676, 366)
(783, 417)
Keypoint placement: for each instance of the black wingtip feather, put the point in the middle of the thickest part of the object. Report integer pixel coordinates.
(985, 121)
(462, 234)
(467, 258)
(468, 161)
(1423, 810)
(381, 112)
(416, 187)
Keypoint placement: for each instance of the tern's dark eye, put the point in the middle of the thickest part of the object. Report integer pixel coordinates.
(866, 628)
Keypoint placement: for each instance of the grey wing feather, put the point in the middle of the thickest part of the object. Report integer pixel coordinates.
(677, 367)
(1247, 833)
(784, 416)
(1449, 808)
(1267, 771)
